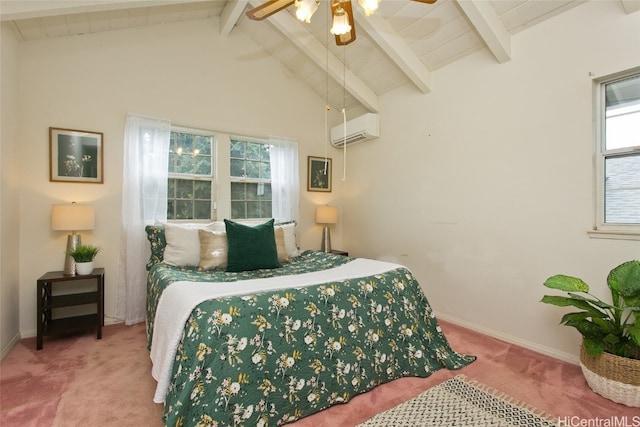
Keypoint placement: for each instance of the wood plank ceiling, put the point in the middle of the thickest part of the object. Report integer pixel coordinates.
(402, 43)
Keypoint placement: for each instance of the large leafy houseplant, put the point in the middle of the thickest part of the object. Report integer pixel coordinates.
(613, 328)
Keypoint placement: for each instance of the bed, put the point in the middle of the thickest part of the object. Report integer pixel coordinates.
(267, 346)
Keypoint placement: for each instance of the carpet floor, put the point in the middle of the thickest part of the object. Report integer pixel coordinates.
(81, 381)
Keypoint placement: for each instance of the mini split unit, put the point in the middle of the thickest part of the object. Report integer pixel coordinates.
(359, 129)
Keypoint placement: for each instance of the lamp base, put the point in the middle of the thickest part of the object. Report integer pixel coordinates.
(326, 239)
(73, 241)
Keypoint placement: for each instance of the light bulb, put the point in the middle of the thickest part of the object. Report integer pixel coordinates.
(305, 9)
(340, 22)
(369, 6)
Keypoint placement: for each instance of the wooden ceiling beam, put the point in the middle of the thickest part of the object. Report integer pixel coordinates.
(392, 44)
(488, 25)
(230, 15)
(304, 40)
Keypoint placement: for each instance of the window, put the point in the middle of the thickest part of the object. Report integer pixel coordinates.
(250, 171)
(191, 171)
(618, 153)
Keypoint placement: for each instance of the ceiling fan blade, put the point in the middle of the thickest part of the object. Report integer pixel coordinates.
(350, 37)
(426, 1)
(268, 8)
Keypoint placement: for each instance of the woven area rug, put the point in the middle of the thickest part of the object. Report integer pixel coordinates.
(461, 402)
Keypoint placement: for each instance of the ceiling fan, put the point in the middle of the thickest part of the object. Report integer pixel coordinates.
(343, 27)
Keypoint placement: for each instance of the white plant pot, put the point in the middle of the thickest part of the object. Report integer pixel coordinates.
(614, 377)
(84, 268)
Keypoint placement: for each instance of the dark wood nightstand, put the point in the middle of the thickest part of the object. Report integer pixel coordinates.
(337, 252)
(47, 302)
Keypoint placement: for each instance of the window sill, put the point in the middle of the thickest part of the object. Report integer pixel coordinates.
(615, 234)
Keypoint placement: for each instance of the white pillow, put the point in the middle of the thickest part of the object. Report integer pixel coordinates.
(290, 238)
(183, 243)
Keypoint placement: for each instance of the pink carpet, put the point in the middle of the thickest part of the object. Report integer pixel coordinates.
(79, 380)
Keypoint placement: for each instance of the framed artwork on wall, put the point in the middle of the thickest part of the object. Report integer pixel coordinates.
(319, 174)
(75, 156)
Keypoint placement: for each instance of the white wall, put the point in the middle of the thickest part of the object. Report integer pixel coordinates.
(9, 231)
(484, 187)
(185, 72)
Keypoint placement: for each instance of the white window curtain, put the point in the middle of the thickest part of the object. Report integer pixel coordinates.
(285, 180)
(144, 202)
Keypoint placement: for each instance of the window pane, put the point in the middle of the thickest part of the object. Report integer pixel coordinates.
(238, 210)
(171, 205)
(202, 165)
(237, 167)
(202, 190)
(254, 151)
(203, 144)
(237, 191)
(267, 192)
(190, 154)
(201, 209)
(252, 191)
(266, 210)
(265, 153)
(184, 209)
(253, 169)
(258, 191)
(237, 149)
(265, 171)
(253, 210)
(622, 105)
(184, 189)
(622, 189)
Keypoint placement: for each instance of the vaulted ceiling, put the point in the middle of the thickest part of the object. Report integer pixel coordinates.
(402, 43)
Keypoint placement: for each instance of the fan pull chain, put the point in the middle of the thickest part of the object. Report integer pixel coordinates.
(344, 112)
(344, 148)
(327, 107)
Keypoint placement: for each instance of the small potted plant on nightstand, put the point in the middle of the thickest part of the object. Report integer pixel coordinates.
(83, 255)
(610, 353)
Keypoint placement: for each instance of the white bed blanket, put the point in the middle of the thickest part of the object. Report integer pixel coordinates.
(180, 298)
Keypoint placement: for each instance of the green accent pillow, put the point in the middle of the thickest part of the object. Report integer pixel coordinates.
(251, 248)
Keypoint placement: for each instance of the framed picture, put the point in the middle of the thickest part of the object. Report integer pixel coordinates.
(319, 174)
(75, 156)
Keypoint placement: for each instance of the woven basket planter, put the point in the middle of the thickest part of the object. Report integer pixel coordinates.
(614, 377)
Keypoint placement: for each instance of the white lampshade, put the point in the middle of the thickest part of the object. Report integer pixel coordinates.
(340, 22)
(72, 217)
(305, 9)
(326, 215)
(369, 6)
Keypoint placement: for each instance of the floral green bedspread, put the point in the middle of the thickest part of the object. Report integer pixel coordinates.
(271, 358)
(162, 275)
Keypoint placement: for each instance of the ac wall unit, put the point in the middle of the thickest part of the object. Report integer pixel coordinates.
(358, 129)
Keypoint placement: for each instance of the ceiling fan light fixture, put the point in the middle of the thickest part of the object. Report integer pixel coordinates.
(305, 9)
(340, 22)
(369, 6)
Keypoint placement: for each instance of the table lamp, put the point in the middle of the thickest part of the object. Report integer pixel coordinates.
(72, 217)
(326, 215)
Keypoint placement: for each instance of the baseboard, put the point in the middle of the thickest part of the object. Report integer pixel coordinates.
(548, 351)
(9, 347)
